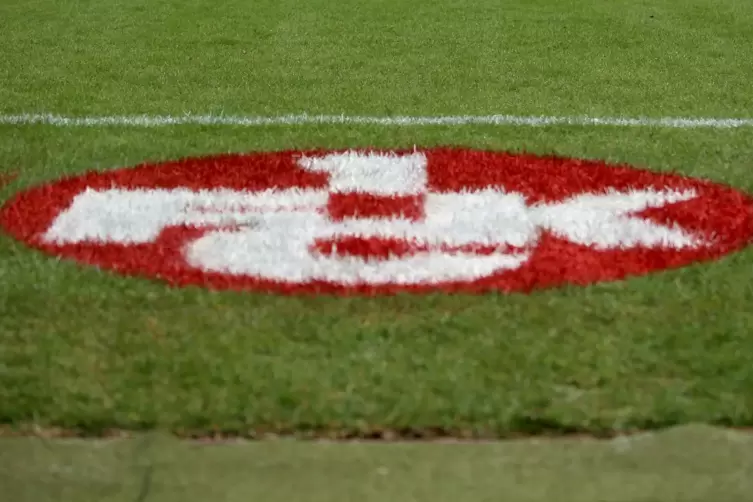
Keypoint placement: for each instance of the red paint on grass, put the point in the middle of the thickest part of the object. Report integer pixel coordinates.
(383, 248)
(719, 214)
(365, 205)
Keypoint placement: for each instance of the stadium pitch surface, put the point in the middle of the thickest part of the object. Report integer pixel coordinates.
(650, 330)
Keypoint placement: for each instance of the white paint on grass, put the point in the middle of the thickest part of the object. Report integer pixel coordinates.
(373, 173)
(485, 218)
(606, 221)
(280, 246)
(404, 120)
(125, 216)
(280, 249)
(271, 234)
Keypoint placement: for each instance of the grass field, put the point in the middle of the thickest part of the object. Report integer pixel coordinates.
(84, 351)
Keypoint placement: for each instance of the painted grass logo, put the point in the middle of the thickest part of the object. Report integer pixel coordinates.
(382, 222)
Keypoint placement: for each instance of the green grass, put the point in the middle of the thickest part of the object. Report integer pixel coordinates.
(658, 57)
(690, 464)
(88, 350)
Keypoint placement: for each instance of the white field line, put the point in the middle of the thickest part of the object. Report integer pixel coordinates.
(305, 119)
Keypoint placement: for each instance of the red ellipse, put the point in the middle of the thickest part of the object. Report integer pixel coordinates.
(718, 213)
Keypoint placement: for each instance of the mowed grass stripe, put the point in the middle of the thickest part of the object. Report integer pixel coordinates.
(666, 58)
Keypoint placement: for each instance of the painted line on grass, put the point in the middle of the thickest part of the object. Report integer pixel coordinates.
(306, 119)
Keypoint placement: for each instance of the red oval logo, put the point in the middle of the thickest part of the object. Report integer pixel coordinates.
(375, 222)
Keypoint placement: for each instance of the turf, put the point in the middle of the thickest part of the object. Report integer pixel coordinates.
(658, 57)
(86, 350)
(689, 464)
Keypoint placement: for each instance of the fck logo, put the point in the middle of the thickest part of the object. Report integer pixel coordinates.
(378, 221)
(367, 222)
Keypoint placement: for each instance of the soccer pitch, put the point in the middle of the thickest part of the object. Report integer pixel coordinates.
(526, 219)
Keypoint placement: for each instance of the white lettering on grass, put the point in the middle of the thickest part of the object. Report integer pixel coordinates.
(124, 216)
(271, 234)
(279, 246)
(375, 173)
(607, 221)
